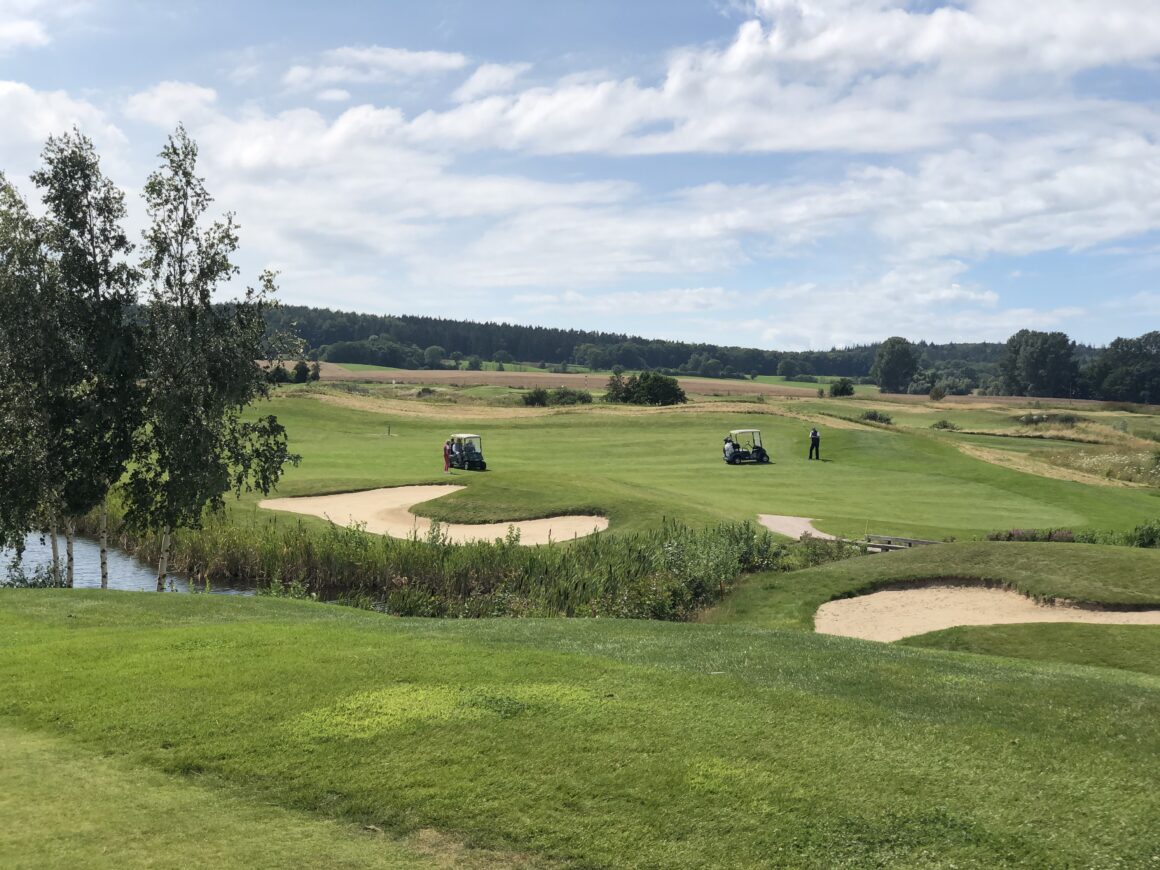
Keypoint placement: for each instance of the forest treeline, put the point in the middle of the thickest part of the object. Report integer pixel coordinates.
(1030, 363)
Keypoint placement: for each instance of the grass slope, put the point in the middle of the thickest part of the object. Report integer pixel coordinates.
(1129, 647)
(1088, 573)
(601, 743)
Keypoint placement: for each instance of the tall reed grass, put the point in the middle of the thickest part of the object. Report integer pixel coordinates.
(669, 572)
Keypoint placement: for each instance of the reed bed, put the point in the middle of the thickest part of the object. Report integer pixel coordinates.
(670, 572)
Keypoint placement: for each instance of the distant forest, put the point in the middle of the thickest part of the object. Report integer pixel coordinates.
(1027, 364)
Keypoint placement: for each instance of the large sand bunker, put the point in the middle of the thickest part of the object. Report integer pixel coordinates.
(897, 613)
(388, 512)
(793, 527)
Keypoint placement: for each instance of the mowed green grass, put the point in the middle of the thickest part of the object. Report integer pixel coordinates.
(638, 468)
(590, 743)
(64, 806)
(1128, 647)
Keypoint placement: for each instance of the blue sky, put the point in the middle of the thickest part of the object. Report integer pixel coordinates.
(776, 173)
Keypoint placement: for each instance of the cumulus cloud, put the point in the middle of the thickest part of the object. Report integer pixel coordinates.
(168, 103)
(21, 34)
(31, 116)
(27, 23)
(490, 78)
(369, 65)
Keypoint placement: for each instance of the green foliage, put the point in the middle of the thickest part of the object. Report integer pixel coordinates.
(1039, 364)
(200, 371)
(569, 396)
(937, 393)
(841, 387)
(536, 398)
(433, 357)
(894, 365)
(301, 372)
(945, 424)
(474, 363)
(647, 388)
(875, 416)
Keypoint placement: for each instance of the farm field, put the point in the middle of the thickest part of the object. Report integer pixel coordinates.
(276, 731)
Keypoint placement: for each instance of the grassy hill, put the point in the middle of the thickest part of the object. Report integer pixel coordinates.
(587, 743)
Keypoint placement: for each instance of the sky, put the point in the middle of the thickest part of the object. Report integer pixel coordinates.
(783, 174)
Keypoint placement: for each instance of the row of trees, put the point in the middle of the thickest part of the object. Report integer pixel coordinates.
(124, 375)
(1032, 363)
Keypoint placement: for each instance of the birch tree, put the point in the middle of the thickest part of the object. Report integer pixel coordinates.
(97, 418)
(200, 363)
(27, 285)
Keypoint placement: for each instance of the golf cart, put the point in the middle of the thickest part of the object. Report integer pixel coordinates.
(744, 445)
(467, 453)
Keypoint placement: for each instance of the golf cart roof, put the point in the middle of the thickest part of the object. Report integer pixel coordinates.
(743, 431)
(464, 435)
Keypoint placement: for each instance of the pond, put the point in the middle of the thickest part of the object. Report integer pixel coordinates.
(125, 572)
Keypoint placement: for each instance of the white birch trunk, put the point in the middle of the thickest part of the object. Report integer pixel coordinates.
(70, 563)
(163, 566)
(105, 543)
(55, 553)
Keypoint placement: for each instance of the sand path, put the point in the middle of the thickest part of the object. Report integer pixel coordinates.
(388, 512)
(793, 527)
(897, 613)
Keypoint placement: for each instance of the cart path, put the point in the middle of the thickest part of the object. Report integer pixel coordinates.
(388, 512)
(793, 527)
(897, 613)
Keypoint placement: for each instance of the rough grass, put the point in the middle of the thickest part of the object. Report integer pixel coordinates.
(1083, 573)
(599, 743)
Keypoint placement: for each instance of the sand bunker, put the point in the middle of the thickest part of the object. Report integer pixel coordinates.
(794, 527)
(388, 512)
(894, 614)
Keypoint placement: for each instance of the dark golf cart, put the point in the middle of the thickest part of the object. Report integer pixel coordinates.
(467, 453)
(744, 445)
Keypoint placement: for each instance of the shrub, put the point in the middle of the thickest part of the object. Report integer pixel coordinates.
(536, 398)
(877, 417)
(1034, 535)
(474, 363)
(647, 388)
(945, 424)
(937, 393)
(842, 387)
(569, 396)
(806, 379)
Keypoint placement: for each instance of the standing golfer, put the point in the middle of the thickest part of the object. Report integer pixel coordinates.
(815, 444)
(447, 457)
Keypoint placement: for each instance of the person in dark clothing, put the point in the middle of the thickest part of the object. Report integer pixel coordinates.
(815, 444)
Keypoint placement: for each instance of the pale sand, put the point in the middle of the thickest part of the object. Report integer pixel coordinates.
(894, 614)
(794, 527)
(388, 512)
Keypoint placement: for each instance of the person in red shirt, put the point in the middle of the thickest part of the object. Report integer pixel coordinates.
(446, 457)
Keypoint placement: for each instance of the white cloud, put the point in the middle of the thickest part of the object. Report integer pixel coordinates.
(169, 103)
(22, 34)
(373, 64)
(490, 78)
(333, 95)
(27, 23)
(31, 116)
